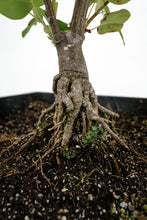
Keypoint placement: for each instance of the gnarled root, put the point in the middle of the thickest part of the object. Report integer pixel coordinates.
(76, 102)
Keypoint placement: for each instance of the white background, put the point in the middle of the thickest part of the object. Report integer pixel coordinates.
(29, 64)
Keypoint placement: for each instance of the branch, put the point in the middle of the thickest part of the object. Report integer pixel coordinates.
(52, 18)
(96, 13)
(79, 16)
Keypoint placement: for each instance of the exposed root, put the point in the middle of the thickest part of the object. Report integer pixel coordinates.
(76, 99)
(42, 173)
(44, 112)
(107, 128)
(32, 134)
(83, 124)
(14, 142)
(76, 107)
(107, 111)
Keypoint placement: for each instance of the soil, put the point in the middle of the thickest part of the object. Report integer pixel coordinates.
(97, 179)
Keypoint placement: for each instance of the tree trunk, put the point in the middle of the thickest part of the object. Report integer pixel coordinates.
(73, 91)
(70, 53)
(75, 100)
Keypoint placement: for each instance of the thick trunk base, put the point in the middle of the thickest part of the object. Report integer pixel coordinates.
(76, 107)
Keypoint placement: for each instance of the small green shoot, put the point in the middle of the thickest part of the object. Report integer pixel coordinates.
(107, 116)
(69, 153)
(113, 209)
(93, 134)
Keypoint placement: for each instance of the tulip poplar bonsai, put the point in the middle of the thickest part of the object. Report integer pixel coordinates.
(76, 105)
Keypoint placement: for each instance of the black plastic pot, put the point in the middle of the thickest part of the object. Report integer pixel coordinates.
(12, 103)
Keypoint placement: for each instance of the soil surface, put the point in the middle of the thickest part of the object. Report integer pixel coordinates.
(97, 179)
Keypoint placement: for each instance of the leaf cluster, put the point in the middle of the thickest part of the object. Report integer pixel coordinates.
(93, 134)
(40, 16)
(111, 21)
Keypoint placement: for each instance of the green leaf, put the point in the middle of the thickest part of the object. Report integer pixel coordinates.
(69, 154)
(91, 2)
(42, 14)
(122, 37)
(55, 6)
(118, 2)
(18, 9)
(47, 30)
(113, 22)
(99, 4)
(113, 208)
(107, 10)
(37, 13)
(30, 24)
(62, 25)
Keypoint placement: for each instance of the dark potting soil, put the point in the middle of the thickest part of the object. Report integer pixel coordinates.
(97, 180)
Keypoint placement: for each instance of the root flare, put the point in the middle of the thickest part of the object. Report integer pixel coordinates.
(75, 98)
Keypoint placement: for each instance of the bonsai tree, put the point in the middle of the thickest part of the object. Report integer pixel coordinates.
(76, 105)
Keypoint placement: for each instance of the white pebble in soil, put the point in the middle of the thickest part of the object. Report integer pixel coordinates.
(26, 217)
(63, 218)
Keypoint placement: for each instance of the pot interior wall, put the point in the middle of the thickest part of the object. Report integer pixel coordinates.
(122, 104)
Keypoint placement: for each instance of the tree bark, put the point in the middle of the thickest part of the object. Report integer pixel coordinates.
(70, 53)
(79, 16)
(75, 97)
(75, 100)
